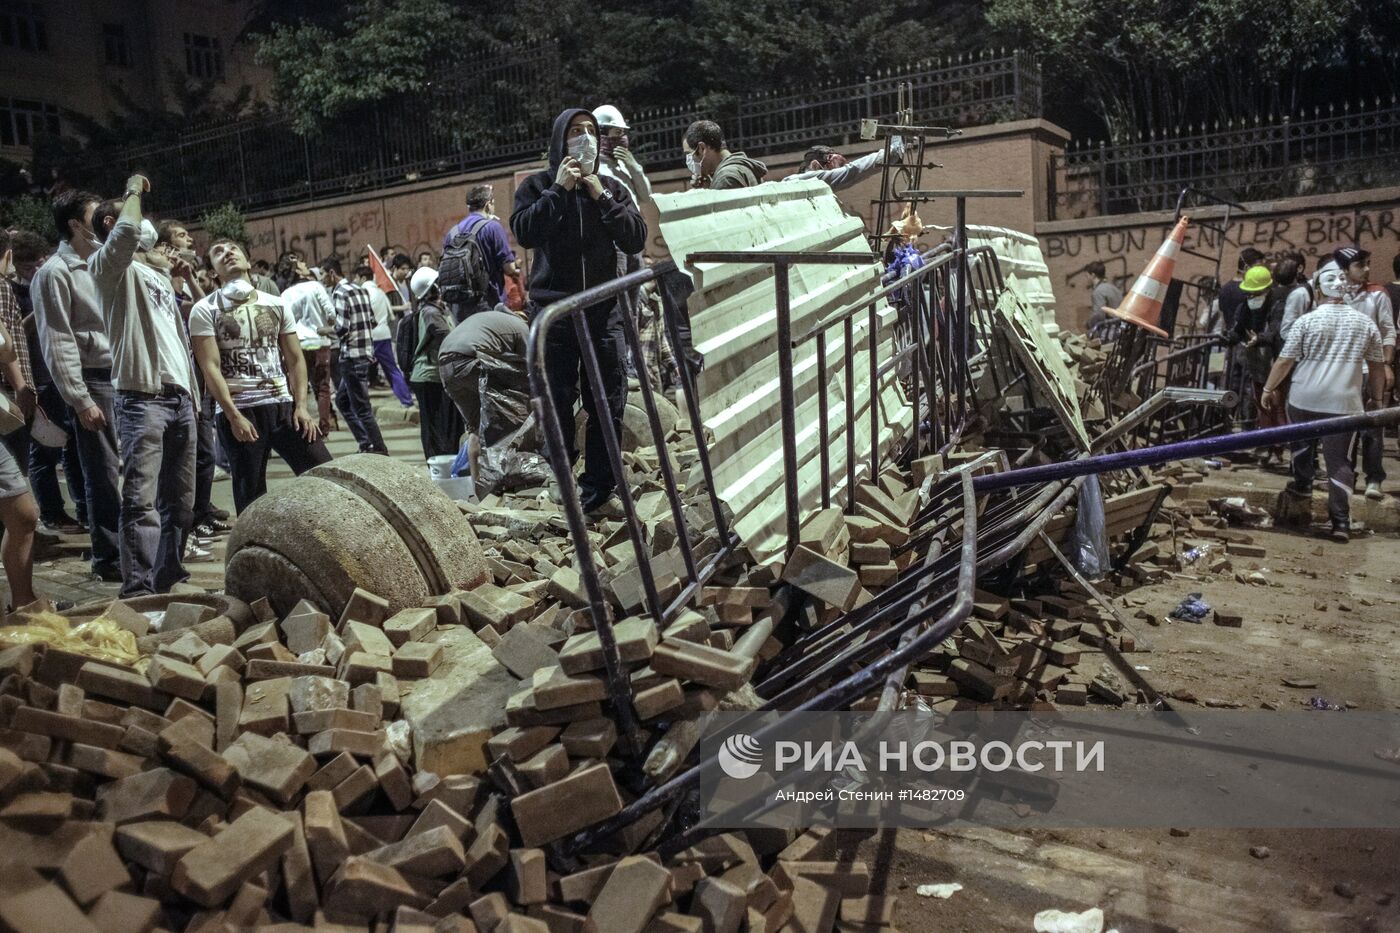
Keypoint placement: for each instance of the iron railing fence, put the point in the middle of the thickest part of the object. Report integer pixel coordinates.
(498, 113)
(1322, 152)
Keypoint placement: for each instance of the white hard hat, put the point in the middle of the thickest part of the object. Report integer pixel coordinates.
(423, 279)
(608, 115)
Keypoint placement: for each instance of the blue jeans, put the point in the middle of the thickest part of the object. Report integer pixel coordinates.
(352, 398)
(157, 435)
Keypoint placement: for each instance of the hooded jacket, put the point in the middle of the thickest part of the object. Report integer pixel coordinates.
(575, 238)
(737, 171)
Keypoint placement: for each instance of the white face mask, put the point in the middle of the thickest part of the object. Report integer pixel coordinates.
(692, 165)
(237, 292)
(1256, 303)
(148, 237)
(1332, 282)
(585, 149)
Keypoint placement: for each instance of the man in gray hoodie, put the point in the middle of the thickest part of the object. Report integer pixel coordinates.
(711, 163)
(156, 397)
(73, 338)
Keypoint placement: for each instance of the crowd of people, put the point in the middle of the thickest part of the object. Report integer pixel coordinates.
(148, 369)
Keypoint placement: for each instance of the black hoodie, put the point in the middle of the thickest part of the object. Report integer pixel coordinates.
(575, 238)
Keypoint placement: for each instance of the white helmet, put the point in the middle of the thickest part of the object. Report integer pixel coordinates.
(608, 115)
(423, 279)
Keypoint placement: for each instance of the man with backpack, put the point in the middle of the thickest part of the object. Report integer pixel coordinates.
(476, 257)
(416, 344)
(577, 221)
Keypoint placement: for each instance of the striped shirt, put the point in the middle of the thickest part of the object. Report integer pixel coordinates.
(12, 317)
(1331, 346)
(354, 320)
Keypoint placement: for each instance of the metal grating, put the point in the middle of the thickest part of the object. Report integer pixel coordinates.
(734, 325)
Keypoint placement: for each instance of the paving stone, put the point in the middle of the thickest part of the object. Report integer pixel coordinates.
(546, 766)
(120, 912)
(409, 625)
(436, 853)
(635, 889)
(438, 813)
(524, 650)
(822, 578)
(361, 667)
(212, 871)
(156, 845)
(361, 636)
(93, 868)
(702, 664)
(38, 813)
(720, 905)
(528, 880)
(67, 728)
(189, 648)
(363, 888)
(120, 684)
(156, 794)
(185, 615)
(266, 708)
(206, 766)
(43, 909)
(658, 699)
(221, 656)
(589, 738)
(272, 766)
(305, 630)
(553, 689)
(394, 781)
(335, 741)
(636, 638)
(102, 761)
(325, 833)
(176, 678)
(364, 606)
(314, 721)
(519, 743)
(416, 659)
(583, 798)
(495, 606)
(566, 585)
(317, 693)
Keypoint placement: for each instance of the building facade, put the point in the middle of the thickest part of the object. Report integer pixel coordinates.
(59, 57)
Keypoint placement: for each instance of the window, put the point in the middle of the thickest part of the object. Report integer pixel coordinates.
(115, 44)
(22, 26)
(202, 57)
(22, 120)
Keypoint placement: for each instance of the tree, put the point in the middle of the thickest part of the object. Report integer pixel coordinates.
(225, 222)
(1161, 64)
(358, 52)
(28, 212)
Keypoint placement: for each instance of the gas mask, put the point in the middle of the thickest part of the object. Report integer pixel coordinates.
(585, 149)
(148, 237)
(236, 292)
(1332, 282)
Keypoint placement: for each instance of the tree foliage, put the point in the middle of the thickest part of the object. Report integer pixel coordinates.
(1162, 64)
(28, 212)
(225, 222)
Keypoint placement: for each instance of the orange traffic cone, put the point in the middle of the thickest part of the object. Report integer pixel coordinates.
(1143, 306)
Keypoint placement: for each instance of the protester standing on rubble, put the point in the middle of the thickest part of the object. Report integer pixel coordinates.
(1373, 301)
(1102, 294)
(712, 165)
(311, 309)
(481, 251)
(825, 164)
(1326, 353)
(439, 421)
(73, 336)
(246, 343)
(354, 322)
(156, 400)
(576, 221)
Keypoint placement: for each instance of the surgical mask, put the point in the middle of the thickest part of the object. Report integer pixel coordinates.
(692, 165)
(148, 237)
(585, 149)
(236, 292)
(1255, 303)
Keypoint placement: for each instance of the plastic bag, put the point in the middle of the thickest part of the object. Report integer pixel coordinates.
(1089, 542)
(506, 468)
(100, 638)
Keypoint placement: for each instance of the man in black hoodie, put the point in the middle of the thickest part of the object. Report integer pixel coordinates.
(576, 221)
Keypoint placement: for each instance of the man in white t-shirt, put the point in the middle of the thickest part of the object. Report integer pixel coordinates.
(1326, 352)
(314, 315)
(246, 343)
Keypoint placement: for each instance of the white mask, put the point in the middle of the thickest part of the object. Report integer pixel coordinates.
(585, 149)
(237, 292)
(148, 236)
(1331, 281)
(692, 165)
(1256, 303)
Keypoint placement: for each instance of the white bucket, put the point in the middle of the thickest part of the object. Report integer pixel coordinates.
(460, 488)
(440, 468)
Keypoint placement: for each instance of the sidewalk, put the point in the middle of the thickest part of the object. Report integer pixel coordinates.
(1261, 488)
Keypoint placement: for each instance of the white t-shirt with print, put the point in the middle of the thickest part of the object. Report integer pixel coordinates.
(1331, 346)
(248, 337)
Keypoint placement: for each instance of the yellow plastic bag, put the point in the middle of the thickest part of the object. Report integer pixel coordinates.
(100, 639)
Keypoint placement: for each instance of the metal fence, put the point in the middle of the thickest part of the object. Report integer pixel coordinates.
(1322, 152)
(498, 112)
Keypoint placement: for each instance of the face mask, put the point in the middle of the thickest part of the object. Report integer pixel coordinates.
(1331, 282)
(1256, 303)
(148, 237)
(237, 292)
(585, 149)
(610, 143)
(692, 164)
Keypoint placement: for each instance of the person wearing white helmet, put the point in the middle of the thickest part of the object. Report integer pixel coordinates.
(439, 422)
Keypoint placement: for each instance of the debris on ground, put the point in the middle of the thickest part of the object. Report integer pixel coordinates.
(1060, 921)
(1191, 609)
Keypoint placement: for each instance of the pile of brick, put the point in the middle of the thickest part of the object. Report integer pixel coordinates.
(304, 772)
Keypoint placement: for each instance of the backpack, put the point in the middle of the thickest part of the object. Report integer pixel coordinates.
(406, 341)
(462, 276)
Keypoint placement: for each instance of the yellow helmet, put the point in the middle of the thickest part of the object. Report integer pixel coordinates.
(1257, 279)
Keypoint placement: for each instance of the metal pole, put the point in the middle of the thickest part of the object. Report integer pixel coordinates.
(823, 417)
(787, 403)
(1185, 450)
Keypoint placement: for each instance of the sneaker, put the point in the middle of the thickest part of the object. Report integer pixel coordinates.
(194, 554)
(211, 528)
(64, 525)
(110, 575)
(220, 474)
(1373, 491)
(593, 501)
(1339, 534)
